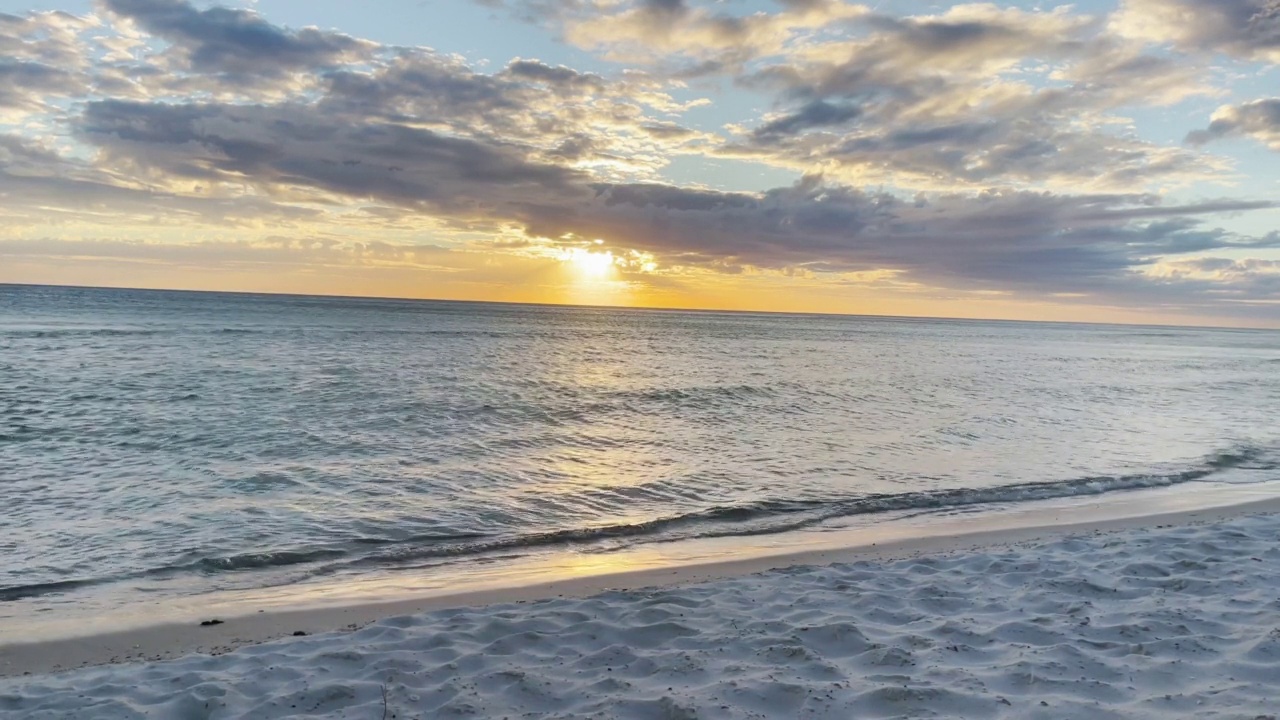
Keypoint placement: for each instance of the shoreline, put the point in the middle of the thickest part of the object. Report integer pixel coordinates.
(170, 640)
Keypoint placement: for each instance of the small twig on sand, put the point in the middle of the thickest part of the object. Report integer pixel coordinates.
(384, 702)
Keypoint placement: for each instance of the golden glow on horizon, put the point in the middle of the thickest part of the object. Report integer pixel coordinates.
(634, 279)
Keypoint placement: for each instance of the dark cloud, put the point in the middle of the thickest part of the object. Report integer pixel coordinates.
(802, 5)
(558, 77)
(1028, 241)
(975, 151)
(22, 156)
(560, 112)
(934, 37)
(237, 43)
(27, 84)
(294, 146)
(419, 87)
(1259, 119)
(816, 114)
(667, 130)
(670, 7)
(425, 86)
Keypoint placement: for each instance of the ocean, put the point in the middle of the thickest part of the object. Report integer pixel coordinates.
(160, 448)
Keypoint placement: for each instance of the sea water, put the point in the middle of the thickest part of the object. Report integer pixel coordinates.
(156, 445)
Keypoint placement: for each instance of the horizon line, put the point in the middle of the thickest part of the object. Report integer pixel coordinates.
(648, 308)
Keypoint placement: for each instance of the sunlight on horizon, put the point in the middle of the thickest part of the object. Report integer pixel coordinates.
(592, 265)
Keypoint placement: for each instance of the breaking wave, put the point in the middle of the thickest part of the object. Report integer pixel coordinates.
(758, 518)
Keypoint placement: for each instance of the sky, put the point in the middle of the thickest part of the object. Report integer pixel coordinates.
(1107, 160)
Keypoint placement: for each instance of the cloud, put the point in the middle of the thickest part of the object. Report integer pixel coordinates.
(955, 100)
(289, 145)
(1024, 240)
(974, 96)
(50, 38)
(997, 129)
(1221, 268)
(237, 44)
(978, 153)
(1033, 243)
(40, 185)
(23, 157)
(702, 40)
(1251, 281)
(271, 251)
(421, 129)
(27, 85)
(685, 39)
(41, 59)
(1248, 29)
(969, 97)
(1259, 120)
(1008, 240)
(815, 114)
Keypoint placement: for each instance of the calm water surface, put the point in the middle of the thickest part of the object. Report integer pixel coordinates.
(157, 443)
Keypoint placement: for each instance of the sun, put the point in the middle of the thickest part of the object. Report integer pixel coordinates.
(595, 265)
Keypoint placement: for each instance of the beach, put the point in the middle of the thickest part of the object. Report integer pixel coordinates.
(1172, 615)
(639, 359)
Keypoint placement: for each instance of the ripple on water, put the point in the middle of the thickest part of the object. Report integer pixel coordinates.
(152, 435)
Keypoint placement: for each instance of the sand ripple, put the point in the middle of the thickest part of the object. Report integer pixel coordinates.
(1156, 623)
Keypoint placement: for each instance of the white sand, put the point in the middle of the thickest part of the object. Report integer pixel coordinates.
(1162, 621)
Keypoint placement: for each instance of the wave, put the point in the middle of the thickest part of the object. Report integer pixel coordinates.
(699, 394)
(758, 518)
(284, 558)
(21, 592)
(215, 565)
(77, 332)
(775, 516)
(443, 332)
